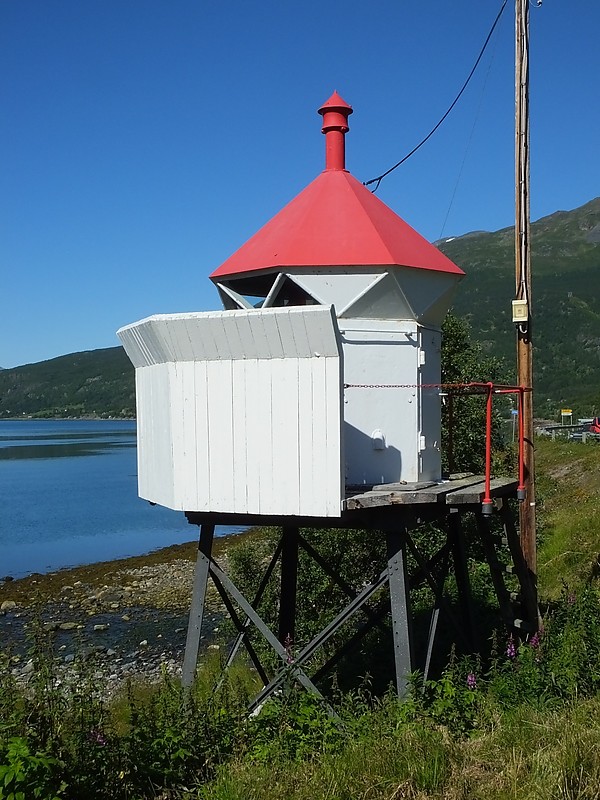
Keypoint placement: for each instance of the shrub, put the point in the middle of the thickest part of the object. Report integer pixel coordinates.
(292, 726)
(25, 775)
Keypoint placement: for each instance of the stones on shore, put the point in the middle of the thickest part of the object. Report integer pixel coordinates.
(164, 586)
(28, 668)
(119, 659)
(131, 626)
(109, 671)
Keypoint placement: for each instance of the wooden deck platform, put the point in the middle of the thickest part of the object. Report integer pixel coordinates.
(382, 506)
(466, 490)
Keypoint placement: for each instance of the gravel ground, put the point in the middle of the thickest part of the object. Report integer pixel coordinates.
(127, 618)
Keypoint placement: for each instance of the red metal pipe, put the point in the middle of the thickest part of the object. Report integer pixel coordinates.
(486, 503)
(335, 113)
(335, 150)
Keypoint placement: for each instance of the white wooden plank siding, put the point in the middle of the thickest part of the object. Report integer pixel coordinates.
(240, 411)
(240, 386)
(155, 458)
(201, 443)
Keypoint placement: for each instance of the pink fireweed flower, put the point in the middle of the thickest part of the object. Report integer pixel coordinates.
(97, 737)
(289, 648)
(471, 680)
(511, 650)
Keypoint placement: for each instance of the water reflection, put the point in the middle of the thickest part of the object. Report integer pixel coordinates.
(65, 436)
(60, 508)
(64, 439)
(66, 450)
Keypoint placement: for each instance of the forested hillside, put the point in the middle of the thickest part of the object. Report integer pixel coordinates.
(566, 302)
(93, 383)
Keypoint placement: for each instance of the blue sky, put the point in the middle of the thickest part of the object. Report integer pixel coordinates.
(143, 141)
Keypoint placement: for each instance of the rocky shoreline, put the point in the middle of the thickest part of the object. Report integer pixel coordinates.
(125, 619)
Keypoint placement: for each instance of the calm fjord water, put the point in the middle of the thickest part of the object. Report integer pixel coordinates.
(68, 496)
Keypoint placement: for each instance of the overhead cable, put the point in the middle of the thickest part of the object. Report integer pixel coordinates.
(469, 141)
(377, 181)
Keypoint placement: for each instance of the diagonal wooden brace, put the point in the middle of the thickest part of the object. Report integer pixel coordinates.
(291, 667)
(241, 637)
(320, 639)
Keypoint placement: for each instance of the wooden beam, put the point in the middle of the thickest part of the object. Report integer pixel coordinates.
(473, 495)
(289, 583)
(192, 642)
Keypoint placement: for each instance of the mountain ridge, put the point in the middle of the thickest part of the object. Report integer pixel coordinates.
(90, 383)
(566, 326)
(565, 262)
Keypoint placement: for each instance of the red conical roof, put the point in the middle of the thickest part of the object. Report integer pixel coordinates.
(335, 221)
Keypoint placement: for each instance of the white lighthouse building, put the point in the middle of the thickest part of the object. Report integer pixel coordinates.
(321, 373)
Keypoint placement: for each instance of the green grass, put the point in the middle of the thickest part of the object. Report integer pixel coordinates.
(568, 481)
(525, 726)
(525, 743)
(524, 755)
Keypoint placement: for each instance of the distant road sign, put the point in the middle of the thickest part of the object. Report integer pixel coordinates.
(566, 412)
(515, 412)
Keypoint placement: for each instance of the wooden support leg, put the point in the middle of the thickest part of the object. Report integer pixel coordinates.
(525, 576)
(289, 583)
(435, 614)
(400, 606)
(496, 569)
(456, 535)
(192, 643)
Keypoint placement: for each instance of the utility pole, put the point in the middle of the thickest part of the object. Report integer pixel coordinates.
(522, 305)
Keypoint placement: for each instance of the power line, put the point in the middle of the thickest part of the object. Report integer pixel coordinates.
(469, 141)
(378, 180)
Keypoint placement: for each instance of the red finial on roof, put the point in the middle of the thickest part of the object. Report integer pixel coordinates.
(335, 114)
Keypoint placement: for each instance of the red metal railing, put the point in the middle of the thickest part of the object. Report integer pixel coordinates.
(489, 389)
